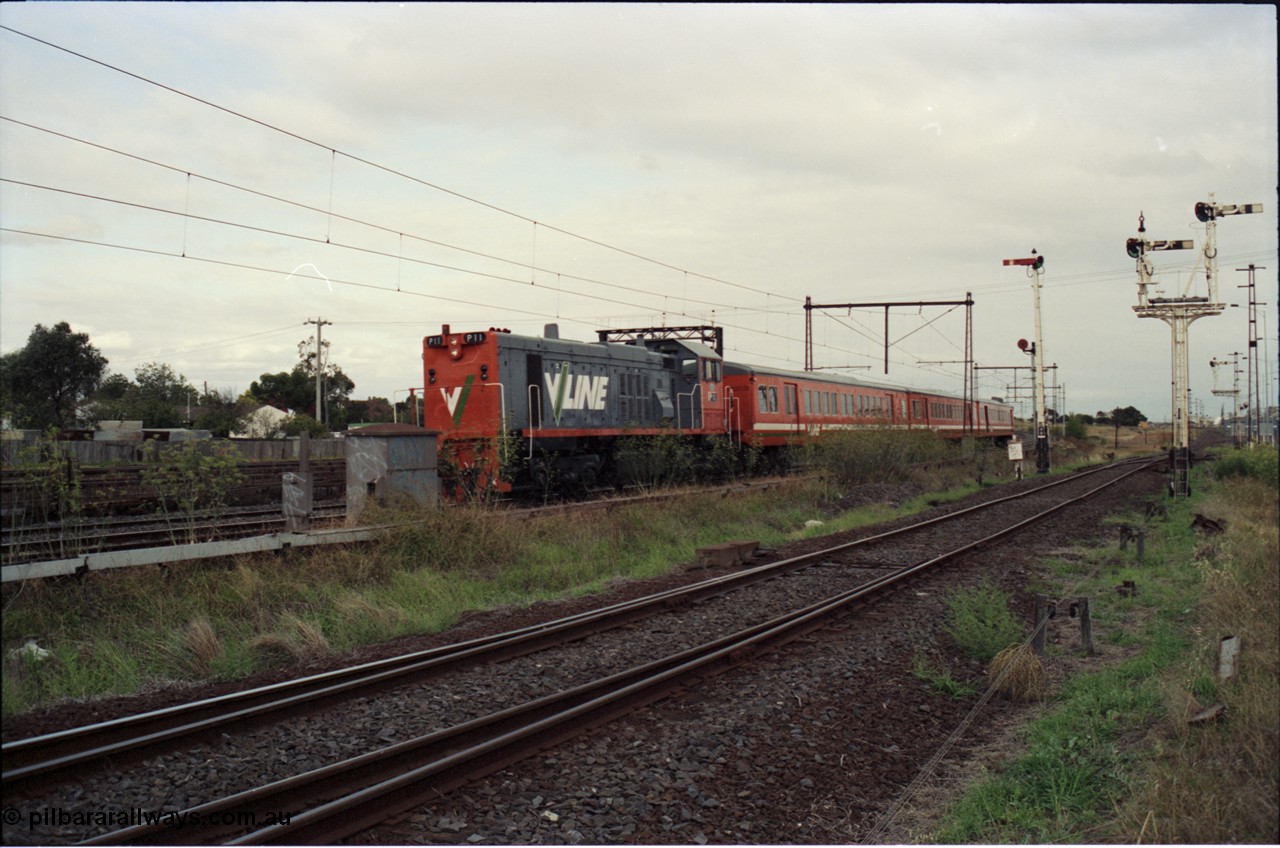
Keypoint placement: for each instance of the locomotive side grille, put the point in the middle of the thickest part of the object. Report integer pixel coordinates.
(633, 397)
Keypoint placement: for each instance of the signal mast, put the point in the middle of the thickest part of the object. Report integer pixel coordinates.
(1035, 270)
(1178, 313)
(1233, 392)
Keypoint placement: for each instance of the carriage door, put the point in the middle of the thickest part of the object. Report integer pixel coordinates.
(791, 403)
(712, 392)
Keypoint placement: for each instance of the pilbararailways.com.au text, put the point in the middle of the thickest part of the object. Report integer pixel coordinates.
(119, 819)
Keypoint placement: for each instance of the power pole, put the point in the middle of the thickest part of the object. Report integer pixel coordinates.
(1254, 420)
(319, 322)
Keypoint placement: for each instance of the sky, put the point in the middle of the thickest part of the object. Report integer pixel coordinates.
(191, 183)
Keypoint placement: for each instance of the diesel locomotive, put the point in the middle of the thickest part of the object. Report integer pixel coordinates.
(517, 410)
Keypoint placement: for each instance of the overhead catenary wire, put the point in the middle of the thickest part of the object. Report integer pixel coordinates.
(1079, 279)
(319, 277)
(377, 166)
(329, 213)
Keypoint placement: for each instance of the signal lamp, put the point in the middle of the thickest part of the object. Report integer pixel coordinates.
(1134, 247)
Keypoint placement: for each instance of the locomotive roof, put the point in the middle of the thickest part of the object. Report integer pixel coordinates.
(571, 347)
(756, 370)
(647, 349)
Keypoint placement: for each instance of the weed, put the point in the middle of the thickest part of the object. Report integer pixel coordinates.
(1260, 462)
(193, 650)
(857, 457)
(1115, 760)
(1017, 673)
(193, 478)
(941, 679)
(980, 621)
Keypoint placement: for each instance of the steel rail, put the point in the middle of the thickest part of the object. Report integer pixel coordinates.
(24, 544)
(355, 794)
(39, 761)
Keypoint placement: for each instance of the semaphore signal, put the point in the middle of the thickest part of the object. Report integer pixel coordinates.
(1178, 312)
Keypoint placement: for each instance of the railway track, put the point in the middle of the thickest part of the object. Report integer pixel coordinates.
(98, 535)
(363, 789)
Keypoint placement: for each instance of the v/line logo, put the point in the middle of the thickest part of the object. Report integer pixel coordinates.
(567, 392)
(456, 398)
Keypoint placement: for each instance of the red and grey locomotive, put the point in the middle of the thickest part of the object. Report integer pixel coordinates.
(541, 407)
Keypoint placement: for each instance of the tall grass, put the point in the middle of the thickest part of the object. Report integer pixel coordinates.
(1220, 783)
(1114, 759)
(123, 631)
(856, 457)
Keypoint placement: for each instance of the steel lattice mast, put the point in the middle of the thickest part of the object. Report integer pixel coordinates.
(1178, 312)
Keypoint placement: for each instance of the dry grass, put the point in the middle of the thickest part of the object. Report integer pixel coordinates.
(1218, 782)
(194, 649)
(1017, 673)
(295, 641)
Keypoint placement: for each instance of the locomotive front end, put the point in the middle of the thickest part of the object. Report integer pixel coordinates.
(463, 399)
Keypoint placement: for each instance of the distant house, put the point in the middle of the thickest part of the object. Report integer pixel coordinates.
(265, 422)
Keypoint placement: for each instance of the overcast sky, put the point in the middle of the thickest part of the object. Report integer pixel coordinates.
(394, 168)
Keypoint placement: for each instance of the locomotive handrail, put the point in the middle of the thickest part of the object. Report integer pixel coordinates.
(731, 407)
(532, 389)
(502, 419)
(690, 395)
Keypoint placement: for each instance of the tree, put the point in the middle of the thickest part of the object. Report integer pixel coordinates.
(296, 390)
(296, 425)
(43, 384)
(222, 412)
(157, 397)
(1127, 417)
(161, 397)
(375, 410)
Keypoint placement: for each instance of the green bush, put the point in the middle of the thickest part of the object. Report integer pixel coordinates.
(1076, 427)
(857, 457)
(1260, 462)
(981, 623)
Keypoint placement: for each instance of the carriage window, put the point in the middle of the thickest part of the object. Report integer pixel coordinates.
(764, 400)
(773, 399)
(789, 395)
